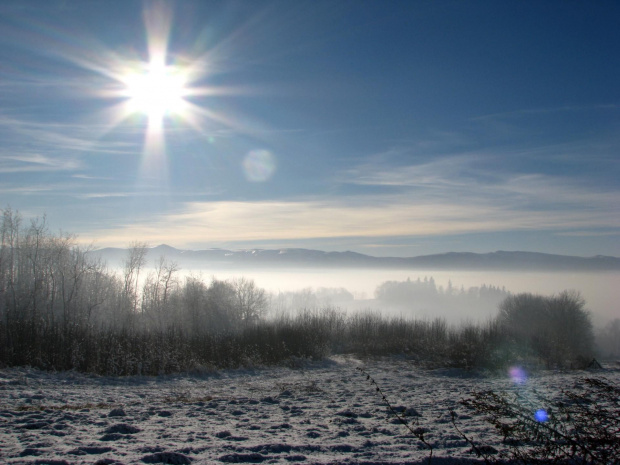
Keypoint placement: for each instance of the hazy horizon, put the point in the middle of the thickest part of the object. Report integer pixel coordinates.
(596, 287)
(96, 248)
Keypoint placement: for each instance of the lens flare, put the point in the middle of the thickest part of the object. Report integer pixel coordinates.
(517, 375)
(541, 415)
(259, 165)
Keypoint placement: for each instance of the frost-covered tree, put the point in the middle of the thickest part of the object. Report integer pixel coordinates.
(250, 301)
(608, 339)
(156, 294)
(133, 264)
(557, 329)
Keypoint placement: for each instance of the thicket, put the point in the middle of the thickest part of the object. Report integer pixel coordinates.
(579, 425)
(557, 329)
(61, 309)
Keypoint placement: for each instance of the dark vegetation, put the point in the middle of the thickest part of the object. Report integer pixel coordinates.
(62, 310)
(579, 425)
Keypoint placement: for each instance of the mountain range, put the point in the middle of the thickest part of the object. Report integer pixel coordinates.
(296, 257)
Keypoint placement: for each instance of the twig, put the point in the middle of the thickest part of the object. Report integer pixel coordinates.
(473, 445)
(417, 432)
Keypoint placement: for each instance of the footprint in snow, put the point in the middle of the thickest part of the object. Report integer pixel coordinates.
(173, 458)
(117, 412)
(122, 428)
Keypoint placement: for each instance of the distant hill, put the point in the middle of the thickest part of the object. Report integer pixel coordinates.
(267, 258)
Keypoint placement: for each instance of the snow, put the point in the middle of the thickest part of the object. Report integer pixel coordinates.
(324, 413)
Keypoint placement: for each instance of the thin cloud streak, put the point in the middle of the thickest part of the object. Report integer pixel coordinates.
(36, 162)
(465, 177)
(25, 190)
(103, 195)
(589, 233)
(534, 111)
(303, 220)
(443, 197)
(56, 138)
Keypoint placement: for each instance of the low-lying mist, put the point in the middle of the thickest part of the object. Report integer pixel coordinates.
(316, 287)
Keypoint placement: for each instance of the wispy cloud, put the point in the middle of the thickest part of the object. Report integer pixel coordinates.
(443, 197)
(104, 195)
(36, 162)
(547, 110)
(91, 178)
(588, 233)
(301, 220)
(477, 180)
(25, 190)
(46, 137)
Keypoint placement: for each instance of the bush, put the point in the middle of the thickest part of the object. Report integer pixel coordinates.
(556, 329)
(580, 428)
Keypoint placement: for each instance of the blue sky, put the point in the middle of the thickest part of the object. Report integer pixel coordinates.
(394, 128)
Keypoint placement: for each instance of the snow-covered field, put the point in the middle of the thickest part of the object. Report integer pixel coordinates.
(321, 413)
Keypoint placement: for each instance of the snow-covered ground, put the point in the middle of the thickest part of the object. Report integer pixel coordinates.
(322, 413)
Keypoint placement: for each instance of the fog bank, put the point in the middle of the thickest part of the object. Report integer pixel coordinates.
(599, 289)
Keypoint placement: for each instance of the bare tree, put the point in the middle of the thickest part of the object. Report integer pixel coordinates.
(251, 301)
(136, 259)
(9, 248)
(156, 292)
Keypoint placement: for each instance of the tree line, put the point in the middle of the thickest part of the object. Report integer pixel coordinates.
(60, 309)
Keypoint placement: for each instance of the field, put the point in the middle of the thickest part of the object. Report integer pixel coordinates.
(325, 413)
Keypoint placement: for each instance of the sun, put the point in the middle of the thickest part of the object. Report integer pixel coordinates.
(157, 91)
(162, 85)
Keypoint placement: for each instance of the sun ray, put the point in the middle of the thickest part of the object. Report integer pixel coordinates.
(148, 92)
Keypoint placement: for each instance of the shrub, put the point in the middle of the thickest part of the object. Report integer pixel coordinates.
(579, 428)
(555, 329)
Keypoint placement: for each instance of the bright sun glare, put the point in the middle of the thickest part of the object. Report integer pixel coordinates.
(157, 91)
(162, 87)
